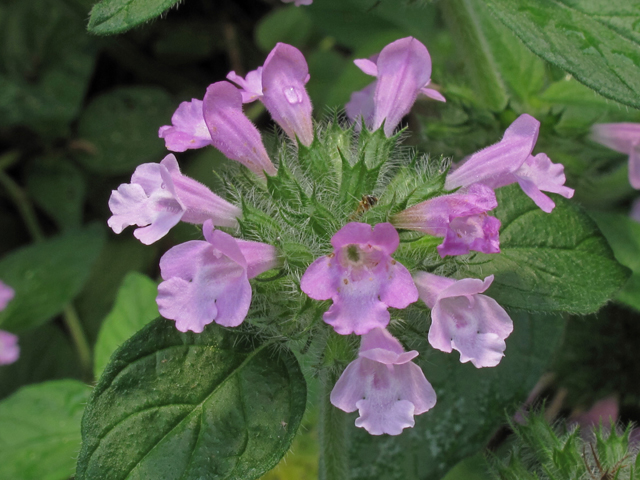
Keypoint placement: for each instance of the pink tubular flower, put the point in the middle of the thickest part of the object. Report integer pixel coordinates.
(159, 196)
(188, 129)
(9, 350)
(280, 85)
(206, 281)
(623, 138)
(459, 217)
(384, 385)
(231, 131)
(403, 70)
(510, 161)
(463, 319)
(361, 107)
(6, 295)
(361, 278)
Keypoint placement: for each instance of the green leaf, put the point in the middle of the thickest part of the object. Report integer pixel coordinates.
(40, 433)
(48, 275)
(593, 40)
(135, 307)
(623, 234)
(119, 256)
(549, 262)
(46, 62)
(288, 25)
(498, 64)
(119, 129)
(470, 406)
(45, 354)
(173, 405)
(58, 187)
(116, 16)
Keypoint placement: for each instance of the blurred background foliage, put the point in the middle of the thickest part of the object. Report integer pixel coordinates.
(78, 113)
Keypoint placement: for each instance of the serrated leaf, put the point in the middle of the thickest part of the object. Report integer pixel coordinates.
(109, 17)
(40, 432)
(48, 275)
(119, 129)
(135, 306)
(593, 40)
(171, 405)
(471, 405)
(549, 262)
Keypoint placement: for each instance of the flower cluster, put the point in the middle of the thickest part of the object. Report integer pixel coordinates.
(208, 280)
(9, 350)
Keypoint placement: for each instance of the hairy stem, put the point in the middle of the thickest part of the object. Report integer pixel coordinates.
(333, 432)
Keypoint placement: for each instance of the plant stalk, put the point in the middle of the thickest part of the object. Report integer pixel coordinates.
(70, 316)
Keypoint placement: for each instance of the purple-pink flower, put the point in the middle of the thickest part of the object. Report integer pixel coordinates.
(9, 350)
(361, 278)
(459, 217)
(463, 319)
(623, 138)
(403, 70)
(385, 386)
(6, 295)
(159, 196)
(206, 281)
(510, 161)
(280, 85)
(187, 129)
(231, 131)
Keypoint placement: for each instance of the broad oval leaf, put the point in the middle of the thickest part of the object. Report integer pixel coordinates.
(119, 129)
(48, 275)
(135, 307)
(116, 16)
(40, 433)
(593, 40)
(171, 405)
(549, 262)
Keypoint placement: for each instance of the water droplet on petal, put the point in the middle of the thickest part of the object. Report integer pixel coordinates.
(292, 94)
(162, 185)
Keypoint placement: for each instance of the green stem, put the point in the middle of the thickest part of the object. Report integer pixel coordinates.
(71, 319)
(333, 432)
(80, 341)
(24, 206)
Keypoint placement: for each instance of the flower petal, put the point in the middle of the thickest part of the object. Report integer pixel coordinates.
(480, 233)
(9, 349)
(231, 131)
(360, 106)
(284, 75)
(188, 129)
(494, 165)
(621, 137)
(404, 67)
(6, 295)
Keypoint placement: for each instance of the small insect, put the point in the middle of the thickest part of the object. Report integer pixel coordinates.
(365, 204)
(283, 424)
